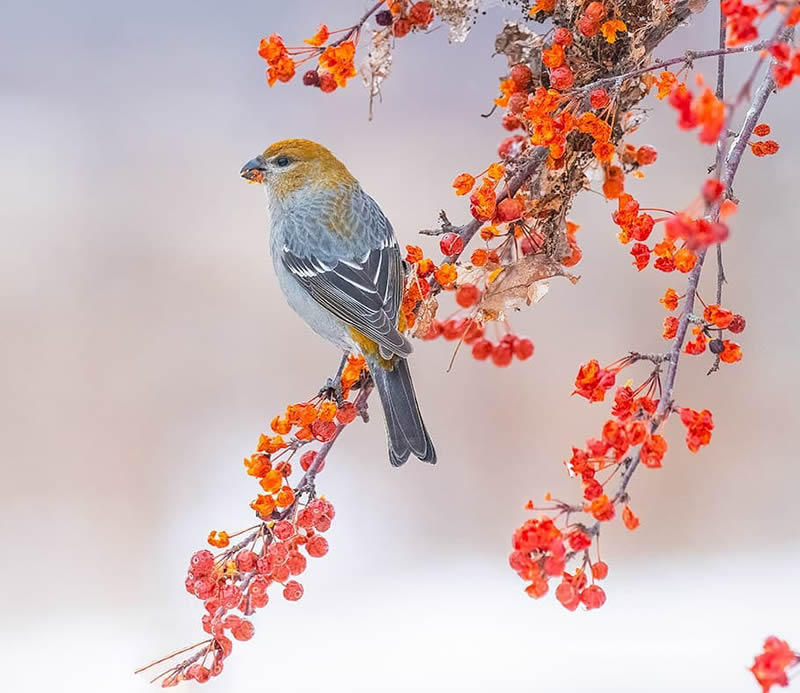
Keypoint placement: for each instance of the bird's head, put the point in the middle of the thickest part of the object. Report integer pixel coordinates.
(289, 166)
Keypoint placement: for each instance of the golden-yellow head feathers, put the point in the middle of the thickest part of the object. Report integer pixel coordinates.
(289, 165)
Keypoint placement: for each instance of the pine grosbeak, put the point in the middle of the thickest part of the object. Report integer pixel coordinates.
(339, 266)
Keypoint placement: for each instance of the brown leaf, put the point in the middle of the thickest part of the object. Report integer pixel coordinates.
(520, 284)
(426, 314)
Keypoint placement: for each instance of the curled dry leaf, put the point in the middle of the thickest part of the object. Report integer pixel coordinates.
(520, 284)
(426, 314)
(518, 43)
(378, 64)
(460, 15)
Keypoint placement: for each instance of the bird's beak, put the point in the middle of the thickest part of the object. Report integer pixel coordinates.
(254, 169)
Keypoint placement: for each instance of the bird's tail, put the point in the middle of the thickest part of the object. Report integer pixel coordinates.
(404, 426)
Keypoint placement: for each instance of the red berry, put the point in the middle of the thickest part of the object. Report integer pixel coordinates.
(306, 459)
(561, 78)
(322, 523)
(283, 529)
(595, 11)
(259, 601)
(593, 597)
(281, 572)
(521, 75)
(482, 349)
(346, 414)
(737, 324)
(453, 328)
(502, 354)
(509, 210)
(204, 587)
(311, 78)
(293, 591)
(599, 570)
(511, 122)
(451, 244)
(327, 82)
(246, 560)
(646, 155)
(562, 36)
(467, 295)
(474, 331)
(512, 146)
(587, 26)
(523, 348)
(317, 547)
(599, 98)
(517, 103)
(243, 630)
(568, 596)
(189, 583)
(296, 562)
(202, 562)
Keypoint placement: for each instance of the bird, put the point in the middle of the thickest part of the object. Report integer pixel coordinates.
(339, 266)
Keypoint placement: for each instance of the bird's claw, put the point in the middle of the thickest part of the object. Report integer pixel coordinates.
(333, 390)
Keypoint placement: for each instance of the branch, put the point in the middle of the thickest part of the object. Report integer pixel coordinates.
(729, 166)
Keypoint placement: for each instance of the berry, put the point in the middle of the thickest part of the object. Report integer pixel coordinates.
(281, 572)
(311, 78)
(451, 244)
(327, 82)
(737, 324)
(292, 591)
(568, 596)
(593, 597)
(646, 155)
(599, 570)
(509, 210)
(562, 36)
(599, 98)
(521, 75)
(595, 11)
(401, 27)
(201, 563)
(467, 295)
(502, 355)
(523, 348)
(482, 349)
(246, 560)
(517, 103)
(511, 122)
(716, 346)
(587, 26)
(243, 630)
(384, 18)
(561, 78)
(317, 547)
(297, 561)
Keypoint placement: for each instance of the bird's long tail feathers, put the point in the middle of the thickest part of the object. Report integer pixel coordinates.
(404, 426)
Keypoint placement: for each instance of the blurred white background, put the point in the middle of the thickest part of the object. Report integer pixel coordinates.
(145, 345)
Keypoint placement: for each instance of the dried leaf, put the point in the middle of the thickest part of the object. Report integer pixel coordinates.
(517, 43)
(378, 64)
(459, 14)
(426, 314)
(522, 283)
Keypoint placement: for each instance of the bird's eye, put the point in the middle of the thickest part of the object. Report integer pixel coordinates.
(283, 161)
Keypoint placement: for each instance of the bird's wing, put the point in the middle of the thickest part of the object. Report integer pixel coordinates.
(366, 291)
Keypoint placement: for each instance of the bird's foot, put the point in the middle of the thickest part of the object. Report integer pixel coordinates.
(333, 391)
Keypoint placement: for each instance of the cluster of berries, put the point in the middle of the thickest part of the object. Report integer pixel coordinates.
(238, 579)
